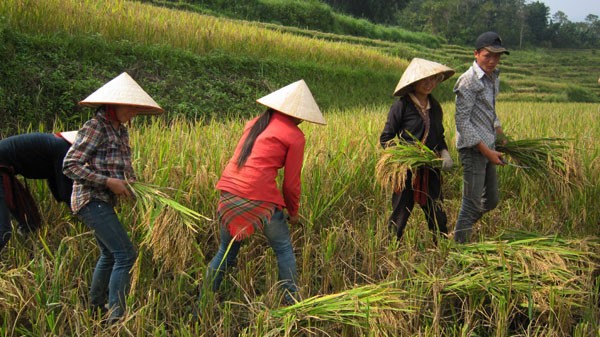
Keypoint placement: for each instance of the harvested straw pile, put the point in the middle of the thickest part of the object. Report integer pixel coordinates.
(551, 161)
(356, 307)
(397, 160)
(535, 276)
(168, 227)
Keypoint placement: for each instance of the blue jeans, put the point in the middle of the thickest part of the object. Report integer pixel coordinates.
(480, 192)
(5, 227)
(111, 278)
(278, 236)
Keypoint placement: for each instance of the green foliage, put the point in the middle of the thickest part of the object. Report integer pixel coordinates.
(305, 14)
(45, 76)
(312, 14)
(578, 94)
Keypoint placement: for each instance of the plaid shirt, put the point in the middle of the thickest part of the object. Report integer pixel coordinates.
(475, 117)
(99, 152)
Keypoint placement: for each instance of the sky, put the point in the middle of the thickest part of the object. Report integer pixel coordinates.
(576, 10)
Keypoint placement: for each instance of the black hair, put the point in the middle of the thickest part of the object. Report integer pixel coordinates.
(259, 126)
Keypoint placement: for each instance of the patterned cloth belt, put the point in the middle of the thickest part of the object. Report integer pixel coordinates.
(19, 200)
(421, 186)
(241, 216)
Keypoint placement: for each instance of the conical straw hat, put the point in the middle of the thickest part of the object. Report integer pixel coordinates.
(295, 100)
(69, 136)
(123, 90)
(419, 69)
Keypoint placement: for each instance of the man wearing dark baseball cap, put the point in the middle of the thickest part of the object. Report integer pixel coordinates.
(492, 42)
(477, 128)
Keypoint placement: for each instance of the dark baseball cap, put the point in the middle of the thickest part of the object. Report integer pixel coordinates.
(490, 41)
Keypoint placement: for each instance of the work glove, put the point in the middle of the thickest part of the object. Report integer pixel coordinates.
(447, 162)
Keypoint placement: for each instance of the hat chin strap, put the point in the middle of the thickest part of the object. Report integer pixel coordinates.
(111, 113)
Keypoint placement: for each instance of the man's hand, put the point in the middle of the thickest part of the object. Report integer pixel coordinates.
(119, 187)
(493, 156)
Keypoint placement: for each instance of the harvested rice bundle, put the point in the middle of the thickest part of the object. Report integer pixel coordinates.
(357, 307)
(551, 160)
(395, 162)
(168, 227)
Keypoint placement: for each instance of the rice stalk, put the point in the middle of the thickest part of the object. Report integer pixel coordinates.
(355, 307)
(534, 268)
(551, 161)
(168, 228)
(401, 157)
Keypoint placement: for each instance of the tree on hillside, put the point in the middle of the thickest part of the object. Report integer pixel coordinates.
(378, 11)
(536, 16)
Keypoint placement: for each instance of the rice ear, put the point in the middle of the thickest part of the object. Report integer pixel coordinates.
(169, 227)
(396, 160)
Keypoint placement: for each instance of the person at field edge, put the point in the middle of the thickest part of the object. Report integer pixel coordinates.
(250, 199)
(99, 162)
(418, 114)
(478, 128)
(33, 155)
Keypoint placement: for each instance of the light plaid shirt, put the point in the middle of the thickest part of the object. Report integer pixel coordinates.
(475, 116)
(100, 152)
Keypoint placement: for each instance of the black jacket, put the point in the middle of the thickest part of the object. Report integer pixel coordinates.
(39, 156)
(404, 116)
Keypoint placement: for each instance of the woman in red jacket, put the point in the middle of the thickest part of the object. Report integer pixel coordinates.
(250, 198)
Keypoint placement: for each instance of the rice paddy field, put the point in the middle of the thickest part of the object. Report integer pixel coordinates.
(532, 269)
(530, 272)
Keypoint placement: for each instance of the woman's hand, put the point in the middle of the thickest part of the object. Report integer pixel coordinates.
(294, 220)
(119, 187)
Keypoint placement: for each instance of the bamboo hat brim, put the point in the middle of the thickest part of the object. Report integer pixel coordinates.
(419, 69)
(295, 100)
(123, 90)
(69, 136)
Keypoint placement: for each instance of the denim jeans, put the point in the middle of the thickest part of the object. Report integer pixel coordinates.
(278, 236)
(111, 280)
(480, 191)
(5, 227)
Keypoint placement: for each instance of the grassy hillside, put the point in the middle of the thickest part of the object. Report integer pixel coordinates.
(56, 52)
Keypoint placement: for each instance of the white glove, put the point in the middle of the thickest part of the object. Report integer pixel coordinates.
(447, 162)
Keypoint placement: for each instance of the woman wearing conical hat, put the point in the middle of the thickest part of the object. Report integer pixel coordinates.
(99, 162)
(250, 199)
(419, 114)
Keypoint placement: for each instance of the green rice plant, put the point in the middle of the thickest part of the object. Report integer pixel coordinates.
(168, 226)
(398, 159)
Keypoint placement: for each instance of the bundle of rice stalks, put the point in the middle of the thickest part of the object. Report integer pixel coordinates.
(358, 307)
(551, 160)
(168, 227)
(392, 168)
(539, 273)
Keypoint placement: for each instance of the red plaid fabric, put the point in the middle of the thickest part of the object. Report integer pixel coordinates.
(241, 216)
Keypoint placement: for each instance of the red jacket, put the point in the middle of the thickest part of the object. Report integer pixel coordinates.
(280, 145)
